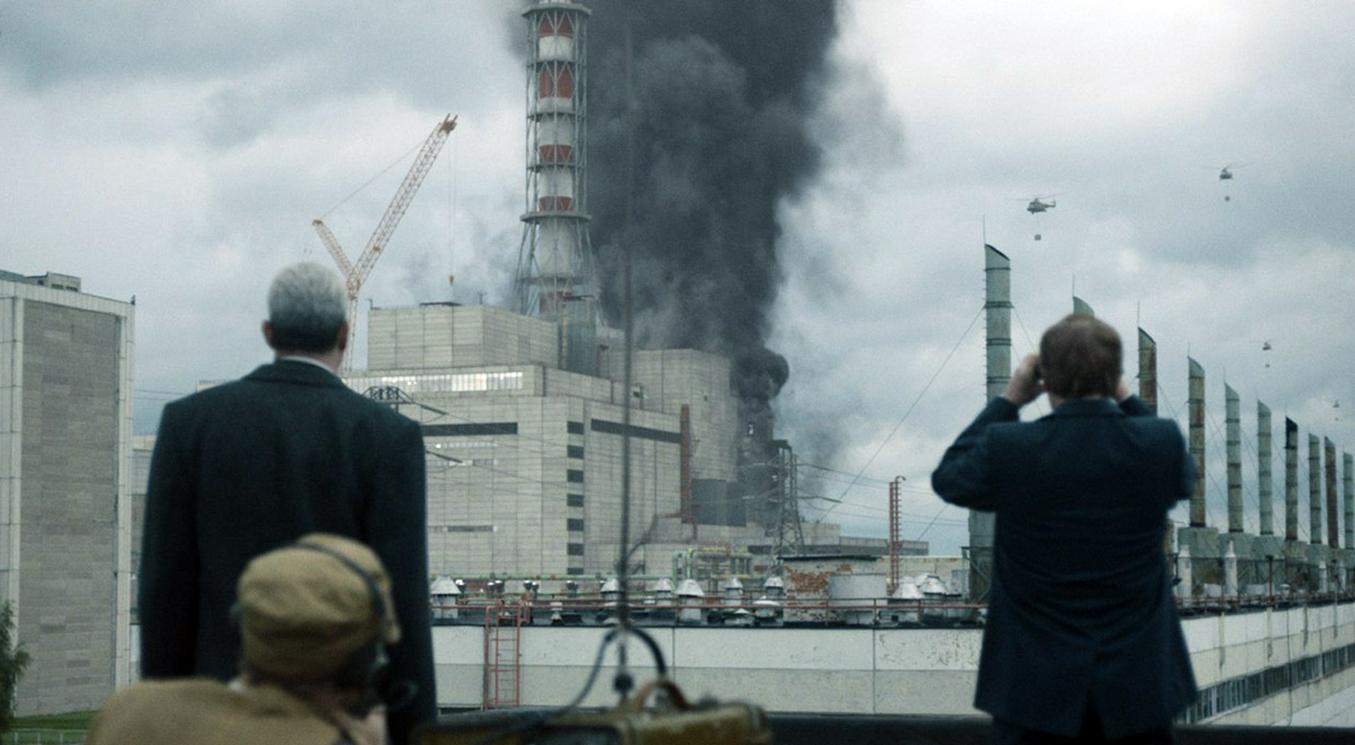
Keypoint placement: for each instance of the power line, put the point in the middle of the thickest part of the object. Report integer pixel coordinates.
(904, 418)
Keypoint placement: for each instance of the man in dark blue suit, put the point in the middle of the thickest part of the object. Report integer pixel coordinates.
(1083, 642)
(243, 468)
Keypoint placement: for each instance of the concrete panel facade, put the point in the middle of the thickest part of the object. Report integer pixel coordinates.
(65, 383)
(525, 468)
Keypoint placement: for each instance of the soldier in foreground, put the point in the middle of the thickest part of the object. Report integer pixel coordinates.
(315, 618)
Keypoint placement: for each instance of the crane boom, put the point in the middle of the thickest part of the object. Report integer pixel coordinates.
(356, 273)
(332, 243)
(403, 196)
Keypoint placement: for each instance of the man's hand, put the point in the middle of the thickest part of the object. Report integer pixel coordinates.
(1121, 391)
(1024, 386)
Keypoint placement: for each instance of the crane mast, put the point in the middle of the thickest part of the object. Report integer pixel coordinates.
(355, 273)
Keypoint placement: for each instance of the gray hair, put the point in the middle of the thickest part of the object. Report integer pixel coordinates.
(306, 306)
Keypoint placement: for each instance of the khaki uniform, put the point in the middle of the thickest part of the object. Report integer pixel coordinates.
(206, 712)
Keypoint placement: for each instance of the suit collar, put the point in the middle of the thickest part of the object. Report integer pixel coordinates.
(295, 371)
(1084, 407)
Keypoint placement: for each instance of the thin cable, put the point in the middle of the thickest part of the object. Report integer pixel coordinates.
(904, 418)
(369, 181)
(1039, 409)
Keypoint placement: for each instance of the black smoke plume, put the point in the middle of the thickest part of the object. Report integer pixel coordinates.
(722, 93)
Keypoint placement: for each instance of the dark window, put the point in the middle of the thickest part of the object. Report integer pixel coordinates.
(574, 524)
(574, 570)
(469, 430)
(575, 428)
(574, 451)
(574, 500)
(575, 476)
(574, 549)
(643, 433)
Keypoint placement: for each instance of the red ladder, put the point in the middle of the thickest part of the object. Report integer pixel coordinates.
(503, 661)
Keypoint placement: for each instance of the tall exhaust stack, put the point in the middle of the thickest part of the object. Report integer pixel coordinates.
(554, 279)
(1265, 480)
(1291, 480)
(1195, 404)
(997, 308)
(1233, 451)
(1081, 308)
(1314, 490)
(1148, 371)
(1333, 516)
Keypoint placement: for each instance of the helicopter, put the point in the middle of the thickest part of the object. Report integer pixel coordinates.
(1037, 205)
(1226, 174)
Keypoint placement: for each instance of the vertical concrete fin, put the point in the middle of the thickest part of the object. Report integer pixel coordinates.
(1348, 489)
(1148, 371)
(997, 306)
(1233, 453)
(1291, 480)
(1195, 404)
(1265, 479)
(1333, 505)
(1314, 490)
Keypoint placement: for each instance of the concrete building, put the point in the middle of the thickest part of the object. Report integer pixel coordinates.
(65, 508)
(525, 464)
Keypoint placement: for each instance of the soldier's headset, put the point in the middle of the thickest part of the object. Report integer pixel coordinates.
(367, 667)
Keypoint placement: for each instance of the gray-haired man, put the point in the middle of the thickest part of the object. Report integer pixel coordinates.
(251, 465)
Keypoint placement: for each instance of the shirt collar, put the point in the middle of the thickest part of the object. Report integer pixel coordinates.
(308, 361)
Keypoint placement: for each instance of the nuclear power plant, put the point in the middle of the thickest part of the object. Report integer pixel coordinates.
(523, 408)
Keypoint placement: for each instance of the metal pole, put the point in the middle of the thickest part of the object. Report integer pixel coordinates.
(623, 682)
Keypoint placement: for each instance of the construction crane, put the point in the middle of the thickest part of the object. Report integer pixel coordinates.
(355, 273)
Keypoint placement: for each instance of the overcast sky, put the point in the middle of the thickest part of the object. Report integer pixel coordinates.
(177, 152)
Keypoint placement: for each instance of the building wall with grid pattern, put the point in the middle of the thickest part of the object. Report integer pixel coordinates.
(65, 508)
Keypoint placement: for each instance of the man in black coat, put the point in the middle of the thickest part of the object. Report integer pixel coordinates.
(1083, 638)
(243, 468)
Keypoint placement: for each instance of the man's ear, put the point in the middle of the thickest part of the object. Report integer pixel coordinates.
(268, 334)
(342, 342)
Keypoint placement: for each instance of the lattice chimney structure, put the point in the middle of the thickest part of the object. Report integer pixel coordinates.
(554, 280)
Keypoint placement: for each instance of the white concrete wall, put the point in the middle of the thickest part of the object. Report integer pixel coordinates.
(897, 671)
(886, 671)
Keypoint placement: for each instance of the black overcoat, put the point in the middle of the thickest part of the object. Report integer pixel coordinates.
(1081, 606)
(248, 466)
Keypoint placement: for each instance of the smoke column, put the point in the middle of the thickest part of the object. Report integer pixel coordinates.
(722, 92)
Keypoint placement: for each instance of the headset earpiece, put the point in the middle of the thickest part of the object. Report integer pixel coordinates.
(366, 668)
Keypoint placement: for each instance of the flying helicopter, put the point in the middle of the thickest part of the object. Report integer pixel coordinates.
(1037, 205)
(1226, 174)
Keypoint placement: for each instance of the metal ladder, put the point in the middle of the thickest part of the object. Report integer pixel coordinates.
(503, 660)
